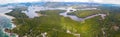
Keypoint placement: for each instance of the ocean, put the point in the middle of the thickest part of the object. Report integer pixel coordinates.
(5, 23)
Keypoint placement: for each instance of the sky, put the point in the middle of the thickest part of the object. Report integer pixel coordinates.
(97, 1)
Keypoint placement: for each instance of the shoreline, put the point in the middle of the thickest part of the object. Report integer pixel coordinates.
(12, 24)
(9, 17)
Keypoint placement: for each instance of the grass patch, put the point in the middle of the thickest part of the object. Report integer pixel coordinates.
(84, 13)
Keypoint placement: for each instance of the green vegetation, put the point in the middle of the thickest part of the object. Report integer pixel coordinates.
(57, 26)
(89, 28)
(111, 22)
(84, 13)
(17, 13)
(34, 27)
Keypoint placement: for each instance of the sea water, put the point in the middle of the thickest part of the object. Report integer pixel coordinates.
(4, 23)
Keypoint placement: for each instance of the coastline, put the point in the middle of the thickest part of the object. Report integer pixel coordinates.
(13, 25)
(9, 17)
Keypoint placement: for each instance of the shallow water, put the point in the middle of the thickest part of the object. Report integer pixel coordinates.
(73, 17)
(31, 11)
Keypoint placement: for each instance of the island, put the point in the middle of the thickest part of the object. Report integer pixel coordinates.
(52, 24)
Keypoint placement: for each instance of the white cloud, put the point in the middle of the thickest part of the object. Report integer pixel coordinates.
(66, 0)
(97, 1)
(16, 1)
(108, 1)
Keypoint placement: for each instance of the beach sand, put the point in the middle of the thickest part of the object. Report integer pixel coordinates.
(9, 17)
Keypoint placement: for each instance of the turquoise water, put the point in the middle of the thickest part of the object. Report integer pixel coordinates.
(4, 23)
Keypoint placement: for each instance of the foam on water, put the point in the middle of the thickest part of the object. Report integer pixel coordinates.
(4, 23)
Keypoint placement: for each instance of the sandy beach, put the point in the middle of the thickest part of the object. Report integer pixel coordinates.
(9, 17)
(13, 25)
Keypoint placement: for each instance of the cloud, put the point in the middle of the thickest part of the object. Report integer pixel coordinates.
(108, 1)
(16, 1)
(97, 1)
(65, 0)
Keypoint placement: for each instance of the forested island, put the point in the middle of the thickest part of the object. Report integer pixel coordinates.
(54, 25)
